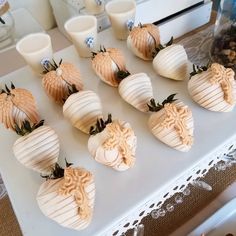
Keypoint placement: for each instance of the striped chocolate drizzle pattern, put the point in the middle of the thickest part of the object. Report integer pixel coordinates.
(137, 91)
(38, 150)
(210, 95)
(83, 109)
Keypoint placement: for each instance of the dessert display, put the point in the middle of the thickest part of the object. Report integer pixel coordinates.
(113, 143)
(106, 63)
(213, 87)
(172, 123)
(171, 61)
(67, 196)
(83, 109)
(38, 148)
(143, 40)
(57, 78)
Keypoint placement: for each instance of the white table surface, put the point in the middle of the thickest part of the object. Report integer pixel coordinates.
(117, 193)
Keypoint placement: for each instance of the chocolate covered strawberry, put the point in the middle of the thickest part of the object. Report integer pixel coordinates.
(16, 106)
(135, 89)
(38, 148)
(57, 78)
(106, 63)
(143, 40)
(67, 196)
(113, 143)
(213, 87)
(172, 123)
(82, 108)
(171, 61)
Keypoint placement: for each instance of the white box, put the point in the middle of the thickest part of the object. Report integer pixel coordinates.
(178, 17)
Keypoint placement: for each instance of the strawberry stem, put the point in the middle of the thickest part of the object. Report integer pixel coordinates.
(26, 127)
(50, 66)
(199, 69)
(102, 49)
(121, 74)
(156, 106)
(100, 125)
(161, 47)
(57, 171)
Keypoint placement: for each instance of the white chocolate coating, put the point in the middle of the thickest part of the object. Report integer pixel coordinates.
(83, 109)
(208, 95)
(116, 148)
(63, 209)
(169, 135)
(137, 91)
(38, 150)
(172, 63)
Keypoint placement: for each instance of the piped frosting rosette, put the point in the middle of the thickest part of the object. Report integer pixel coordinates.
(84, 110)
(38, 146)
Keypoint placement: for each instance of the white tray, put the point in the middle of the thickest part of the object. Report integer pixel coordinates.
(220, 223)
(120, 197)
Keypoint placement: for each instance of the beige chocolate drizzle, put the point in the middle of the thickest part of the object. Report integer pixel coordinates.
(118, 136)
(74, 184)
(141, 38)
(224, 77)
(102, 64)
(17, 107)
(176, 117)
(56, 82)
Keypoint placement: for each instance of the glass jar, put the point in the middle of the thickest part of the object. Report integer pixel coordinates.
(6, 24)
(223, 48)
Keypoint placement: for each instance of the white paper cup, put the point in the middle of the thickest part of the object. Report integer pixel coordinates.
(83, 32)
(121, 14)
(34, 48)
(94, 6)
